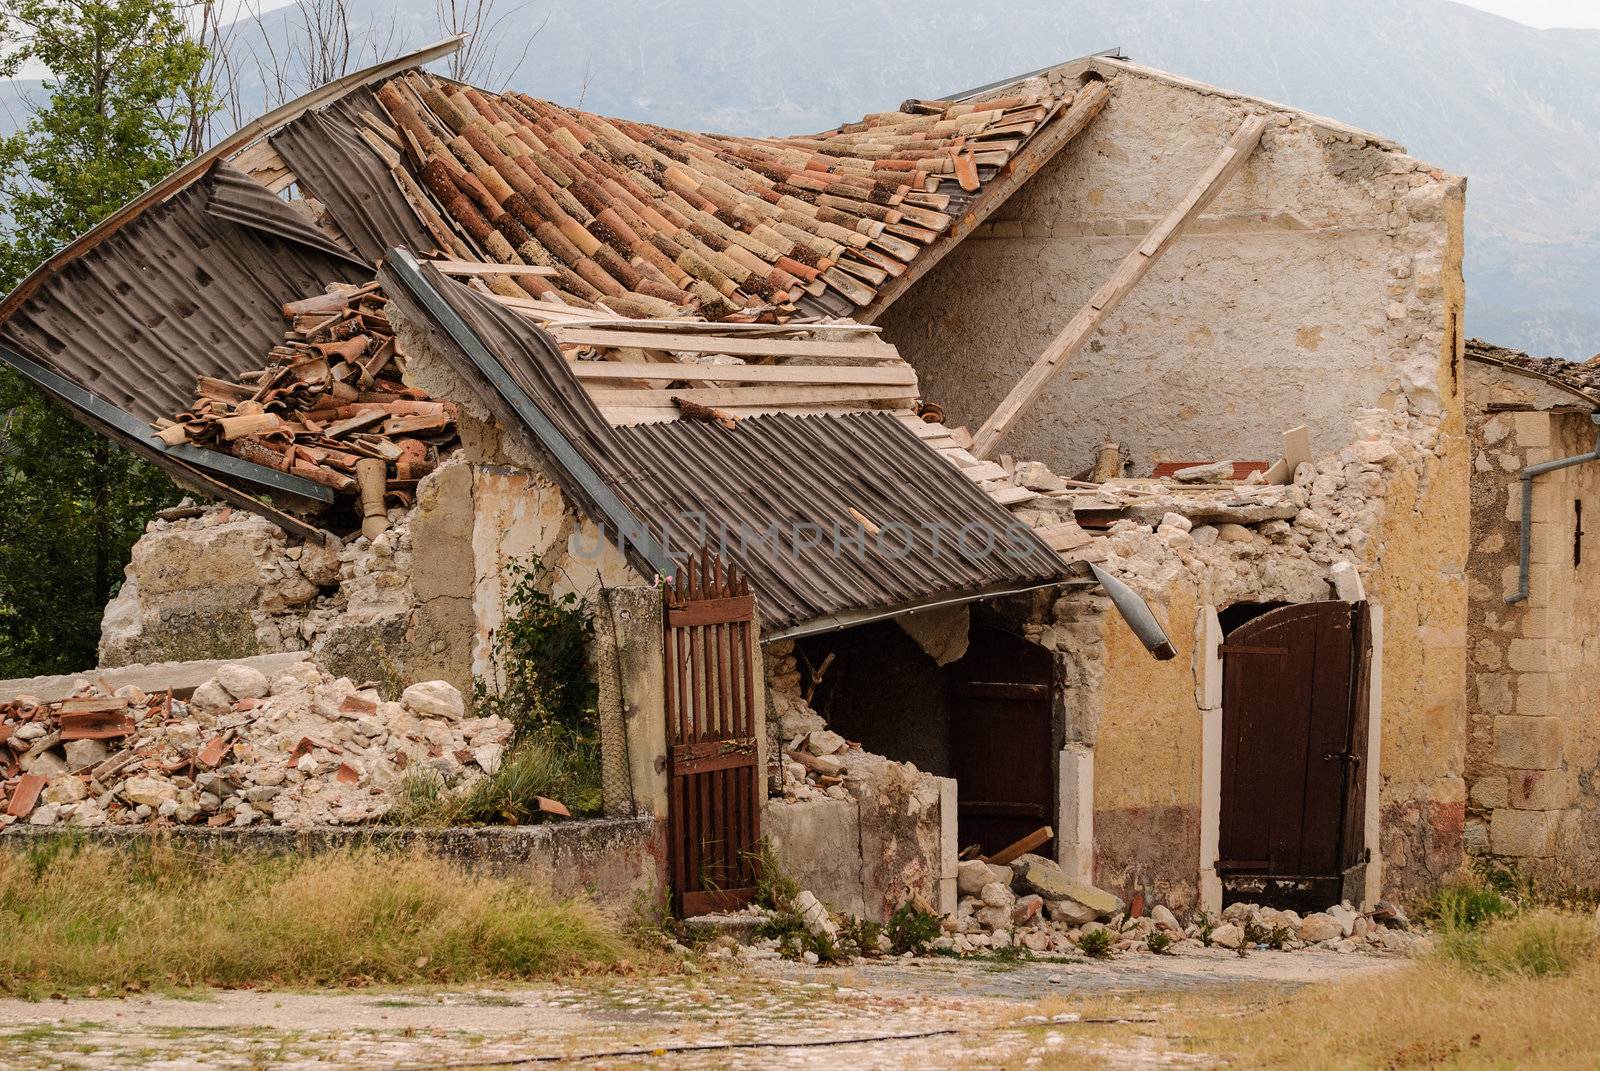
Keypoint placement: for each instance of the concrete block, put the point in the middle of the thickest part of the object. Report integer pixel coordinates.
(182, 677)
(1075, 808)
(1527, 743)
(1531, 429)
(949, 838)
(1207, 662)
(1523, 834)
(818, 843)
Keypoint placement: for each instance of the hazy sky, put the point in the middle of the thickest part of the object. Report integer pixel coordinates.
(1544, 13)
(1541, 13)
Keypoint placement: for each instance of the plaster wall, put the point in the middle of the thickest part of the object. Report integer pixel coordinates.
(1303, 294)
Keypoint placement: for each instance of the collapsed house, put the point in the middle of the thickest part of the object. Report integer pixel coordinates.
(1210, 346)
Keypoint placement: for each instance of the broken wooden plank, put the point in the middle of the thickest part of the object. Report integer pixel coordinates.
(718, 327)
(862, 350)
(782, 396)
(1021, 846)
(890, 375)
(1133, 268)
(473, 267)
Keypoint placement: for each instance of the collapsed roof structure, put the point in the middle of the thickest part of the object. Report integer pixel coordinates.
(662, 256)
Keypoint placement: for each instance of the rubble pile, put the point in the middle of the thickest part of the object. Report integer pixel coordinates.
(1032, 903)
(302, 749)
(329, 405)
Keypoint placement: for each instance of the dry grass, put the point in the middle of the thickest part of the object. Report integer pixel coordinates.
(108, 920)
(1526, 999)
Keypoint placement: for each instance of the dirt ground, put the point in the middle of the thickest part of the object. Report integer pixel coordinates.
(917, 1014)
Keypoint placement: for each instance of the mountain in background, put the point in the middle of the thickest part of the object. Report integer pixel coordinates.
(1515, 109)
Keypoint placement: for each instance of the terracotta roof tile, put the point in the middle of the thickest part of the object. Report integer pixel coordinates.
(649, 220)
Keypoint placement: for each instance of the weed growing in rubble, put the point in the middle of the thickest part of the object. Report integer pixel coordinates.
(775, 890)
(542, 682)
(1096, 944)
(1159, 943)
(157, 918)
(534, 769)
(912, 929)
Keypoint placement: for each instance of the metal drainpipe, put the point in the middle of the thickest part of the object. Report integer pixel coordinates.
(1527, 507)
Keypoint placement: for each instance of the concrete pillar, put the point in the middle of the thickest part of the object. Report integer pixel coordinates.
(632, 704)
(1208, 695)
(1075, 808)
(1374, 808)
(949, 846)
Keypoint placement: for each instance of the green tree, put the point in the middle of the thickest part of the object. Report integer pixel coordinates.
(125, 89)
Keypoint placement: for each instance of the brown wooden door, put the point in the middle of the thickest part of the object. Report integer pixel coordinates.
(716, 785)
(1001, 751)
(1294, 730)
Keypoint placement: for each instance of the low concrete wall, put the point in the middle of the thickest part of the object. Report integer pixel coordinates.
(182, 677)
(616, 861)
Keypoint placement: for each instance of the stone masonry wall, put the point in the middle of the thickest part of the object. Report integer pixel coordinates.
(1143, 720)
(1321, 288)
(1317, 284)
(1533, 755)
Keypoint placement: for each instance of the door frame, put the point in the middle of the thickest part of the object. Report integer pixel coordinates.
(1208, 692)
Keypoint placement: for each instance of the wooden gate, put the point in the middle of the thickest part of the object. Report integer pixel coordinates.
(1294, 743)
(714, 805)
(1001, 752)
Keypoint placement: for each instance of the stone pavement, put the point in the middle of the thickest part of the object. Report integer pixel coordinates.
(972, 1013)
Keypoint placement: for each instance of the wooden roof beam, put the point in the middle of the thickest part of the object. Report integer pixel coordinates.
(1128, 274)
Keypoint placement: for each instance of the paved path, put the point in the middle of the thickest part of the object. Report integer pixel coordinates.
(970, 1011)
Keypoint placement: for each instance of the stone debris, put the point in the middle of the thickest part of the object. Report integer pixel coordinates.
(303, 749)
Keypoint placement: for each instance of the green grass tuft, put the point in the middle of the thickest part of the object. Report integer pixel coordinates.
(157, 917)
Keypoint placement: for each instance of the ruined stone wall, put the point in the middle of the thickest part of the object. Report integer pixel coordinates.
(1533, 757)
(1314, 286)
(1143, 722)
(420, 601)
(882, 835)
(1323, 287)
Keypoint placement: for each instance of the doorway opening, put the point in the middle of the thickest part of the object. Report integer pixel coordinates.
(985, 719)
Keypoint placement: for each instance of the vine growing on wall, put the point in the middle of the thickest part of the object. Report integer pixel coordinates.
(542, 682)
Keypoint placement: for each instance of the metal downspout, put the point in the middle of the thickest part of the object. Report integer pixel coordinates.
(1527, 507)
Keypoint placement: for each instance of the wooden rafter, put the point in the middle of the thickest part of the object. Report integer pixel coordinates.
(1062, 348)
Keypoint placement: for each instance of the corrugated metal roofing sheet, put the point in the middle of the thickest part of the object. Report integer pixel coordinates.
(240, 199)
(827, 515)
(325, 151)
(177, 293)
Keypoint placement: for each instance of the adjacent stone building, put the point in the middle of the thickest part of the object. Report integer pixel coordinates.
(1533, 744)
